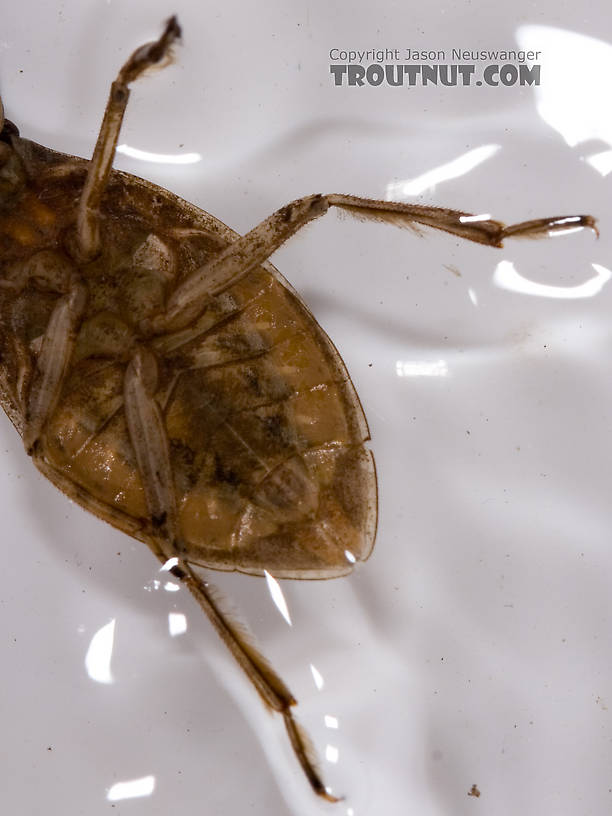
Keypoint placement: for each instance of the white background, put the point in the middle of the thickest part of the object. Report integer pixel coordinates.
(474, 646)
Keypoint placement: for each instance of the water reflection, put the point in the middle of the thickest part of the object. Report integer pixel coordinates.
(132, 789)
(171, 562)
(602, 162)
(421, 368)
(506, 277)
(572, 100)
(99, 654)
(453, 169)
(332, 753)
(159, 158)
(177, 624)
(317, 677)
(276, 593)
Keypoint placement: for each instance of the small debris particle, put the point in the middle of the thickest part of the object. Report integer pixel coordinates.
(453, 269)
(49, 747)
(473, 791)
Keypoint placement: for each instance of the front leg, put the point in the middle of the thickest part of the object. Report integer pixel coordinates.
(252, 249)
(87, 239)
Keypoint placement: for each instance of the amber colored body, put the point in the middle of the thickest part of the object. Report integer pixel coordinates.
(254, 395)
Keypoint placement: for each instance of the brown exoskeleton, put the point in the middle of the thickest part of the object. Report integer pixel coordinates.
(163, 375)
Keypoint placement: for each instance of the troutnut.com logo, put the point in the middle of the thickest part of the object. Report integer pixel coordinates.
(459, 66)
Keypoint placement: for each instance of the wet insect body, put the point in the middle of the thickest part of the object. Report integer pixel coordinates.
(166, 377)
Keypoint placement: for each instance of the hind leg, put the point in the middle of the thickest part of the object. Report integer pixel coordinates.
(150, 442)
(252, 249)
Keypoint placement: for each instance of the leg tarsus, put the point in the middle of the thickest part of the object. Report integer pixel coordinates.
(151, 53)
(540, 227)
(303, 751)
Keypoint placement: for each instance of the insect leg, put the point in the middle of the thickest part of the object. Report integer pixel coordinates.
(150, 442)
(267, 682)
(252, 249)
(53, 362)
(478, 228)
(88, 231)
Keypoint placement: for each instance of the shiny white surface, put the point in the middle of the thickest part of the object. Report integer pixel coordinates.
(474, 646)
